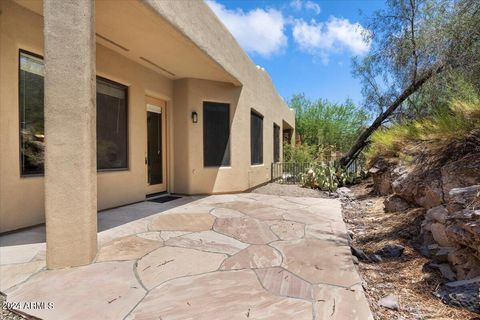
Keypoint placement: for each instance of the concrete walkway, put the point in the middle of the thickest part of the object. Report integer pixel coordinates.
(242, 256)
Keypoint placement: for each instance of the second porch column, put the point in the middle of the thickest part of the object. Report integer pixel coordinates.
(70, 132)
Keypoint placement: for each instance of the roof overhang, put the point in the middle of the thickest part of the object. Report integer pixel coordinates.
(134, 30)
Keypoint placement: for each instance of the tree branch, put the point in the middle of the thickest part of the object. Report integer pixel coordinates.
(407, 92)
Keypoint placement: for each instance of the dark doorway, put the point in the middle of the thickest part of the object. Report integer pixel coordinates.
(154, 140)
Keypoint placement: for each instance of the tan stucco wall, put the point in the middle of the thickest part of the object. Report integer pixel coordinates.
(191, 176)
(198, 23)
(22, 199)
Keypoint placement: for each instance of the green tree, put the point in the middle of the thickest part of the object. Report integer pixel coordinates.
(414, 43)
(327, 125)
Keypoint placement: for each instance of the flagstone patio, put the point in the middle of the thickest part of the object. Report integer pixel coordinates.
(242, 256)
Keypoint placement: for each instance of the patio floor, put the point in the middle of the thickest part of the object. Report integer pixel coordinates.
(242, 256)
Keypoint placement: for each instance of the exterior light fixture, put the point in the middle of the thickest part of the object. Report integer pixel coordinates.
(194, 117)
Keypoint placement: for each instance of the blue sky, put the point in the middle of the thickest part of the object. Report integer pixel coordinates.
(305, 45)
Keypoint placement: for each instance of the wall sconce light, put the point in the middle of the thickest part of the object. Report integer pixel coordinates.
(194, 117)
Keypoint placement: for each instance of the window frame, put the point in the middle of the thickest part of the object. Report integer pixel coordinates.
(229, 134)
(257, 114)
(20, 160)
(276, 145)
(127, 127)
(127, 112)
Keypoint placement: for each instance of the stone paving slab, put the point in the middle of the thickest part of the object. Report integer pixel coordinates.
(183, 222)
(208, 241)
(219, 295)
(105, 290)
(319, 261)
(14, 274)
(236, 256)
(247, 230)
(127, 248)
(169, 263)
(255, 256)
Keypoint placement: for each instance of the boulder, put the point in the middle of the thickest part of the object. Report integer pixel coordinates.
(383, 173)
(437, 214)
(460, 198)
(466, 233)
(391, 251)
(464, 263)
(382, 181)
(439, 234)
(463, 294)
(461, 173)
(375, 257)
(423, 189)
(358, 253)
(389, 302)
(442, 254)
(395, 203)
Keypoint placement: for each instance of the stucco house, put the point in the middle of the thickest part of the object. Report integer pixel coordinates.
(103, 103)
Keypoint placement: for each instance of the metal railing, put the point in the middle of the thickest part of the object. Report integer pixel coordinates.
(288, 172)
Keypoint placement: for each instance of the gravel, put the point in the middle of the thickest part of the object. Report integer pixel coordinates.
(290, 190)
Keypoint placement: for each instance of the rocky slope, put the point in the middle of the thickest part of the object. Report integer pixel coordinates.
(450, 196)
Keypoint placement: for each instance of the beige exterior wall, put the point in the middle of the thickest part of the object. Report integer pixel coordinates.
(22, 199)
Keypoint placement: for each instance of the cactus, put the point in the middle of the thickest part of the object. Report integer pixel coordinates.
(327, 176)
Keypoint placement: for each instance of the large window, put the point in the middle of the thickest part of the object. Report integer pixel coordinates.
(256, 138)
(31, 114)
(112, 106)
(276, 143)
(112, 146)
(216, 134)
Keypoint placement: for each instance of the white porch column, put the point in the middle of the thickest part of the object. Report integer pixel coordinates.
(70, 132)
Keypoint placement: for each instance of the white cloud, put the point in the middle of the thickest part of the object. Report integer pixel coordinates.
(260, 31)
(315, 7)
(308, 5)
(335, 35)
(296, 4)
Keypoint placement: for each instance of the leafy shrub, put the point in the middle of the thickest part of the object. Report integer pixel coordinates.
(300, 153)
(327, 125)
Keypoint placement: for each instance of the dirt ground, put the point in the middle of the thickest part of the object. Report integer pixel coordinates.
(290, 190)
(406, 277)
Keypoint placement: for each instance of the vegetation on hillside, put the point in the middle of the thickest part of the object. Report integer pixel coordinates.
(323, 127)
(447, 134)
(417, 46)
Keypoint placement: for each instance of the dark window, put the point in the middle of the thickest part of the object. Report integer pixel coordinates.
(256, 138)
(276, 143)
(31, 114)
(112, 139)
(112, 105)
(216, 134)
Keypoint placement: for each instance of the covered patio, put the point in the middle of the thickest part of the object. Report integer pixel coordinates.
(238, 256)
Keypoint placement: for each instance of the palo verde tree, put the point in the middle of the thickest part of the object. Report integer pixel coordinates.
(327, 125)
(414, 42)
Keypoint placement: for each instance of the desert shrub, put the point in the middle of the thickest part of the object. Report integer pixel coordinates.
(447, 134)
(301, 153)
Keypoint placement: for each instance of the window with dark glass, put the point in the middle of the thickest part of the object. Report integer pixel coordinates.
(112, 127)
(276, 143)
(256, 138)
(112, 146)
(216, 134)
(31, 114)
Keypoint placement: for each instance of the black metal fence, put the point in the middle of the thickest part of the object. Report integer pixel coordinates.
(288, 172)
